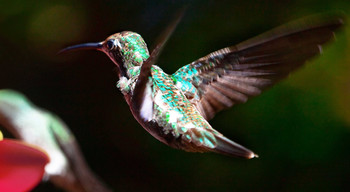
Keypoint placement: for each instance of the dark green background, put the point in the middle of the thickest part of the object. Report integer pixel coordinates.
(300, 128)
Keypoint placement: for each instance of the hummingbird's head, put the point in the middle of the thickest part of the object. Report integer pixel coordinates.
(126, 49)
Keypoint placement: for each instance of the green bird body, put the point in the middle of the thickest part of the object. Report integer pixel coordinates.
(176, 108)
(165, 112)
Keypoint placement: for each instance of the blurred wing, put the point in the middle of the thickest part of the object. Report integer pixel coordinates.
(231, 75)
(145, 73)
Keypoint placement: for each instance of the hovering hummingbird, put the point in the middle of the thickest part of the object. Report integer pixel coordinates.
(176, 108)
(67, 167)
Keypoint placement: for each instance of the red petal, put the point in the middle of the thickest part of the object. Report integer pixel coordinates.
(21, 166)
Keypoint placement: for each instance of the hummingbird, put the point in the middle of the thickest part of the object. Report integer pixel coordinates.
(176, 108)
(67, 168)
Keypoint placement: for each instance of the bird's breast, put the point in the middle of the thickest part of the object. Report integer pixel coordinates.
(166, 113)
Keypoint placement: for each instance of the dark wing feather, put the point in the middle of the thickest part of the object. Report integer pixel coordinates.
(145, 72)
(231, 75)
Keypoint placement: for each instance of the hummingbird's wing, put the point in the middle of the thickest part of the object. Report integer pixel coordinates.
(146, 66)
(233, 74)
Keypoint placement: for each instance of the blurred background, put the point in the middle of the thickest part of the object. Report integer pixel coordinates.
(300, 128)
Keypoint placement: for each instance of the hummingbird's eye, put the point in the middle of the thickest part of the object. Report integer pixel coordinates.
(110, 44)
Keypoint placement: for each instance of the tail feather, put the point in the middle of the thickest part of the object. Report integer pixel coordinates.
(228, 147)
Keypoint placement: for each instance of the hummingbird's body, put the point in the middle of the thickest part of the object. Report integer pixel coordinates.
(176, 108)
(165, 113)
(171, 118)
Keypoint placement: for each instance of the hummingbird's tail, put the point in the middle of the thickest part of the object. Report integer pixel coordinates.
(228, 147)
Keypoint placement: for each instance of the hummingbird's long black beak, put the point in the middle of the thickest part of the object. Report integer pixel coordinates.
(84, 46)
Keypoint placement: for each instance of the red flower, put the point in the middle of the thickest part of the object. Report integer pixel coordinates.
(21, 165)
